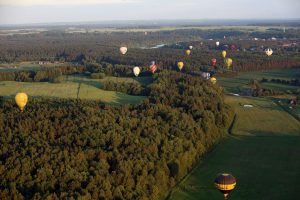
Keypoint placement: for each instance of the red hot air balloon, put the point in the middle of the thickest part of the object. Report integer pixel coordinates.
(213, 62)
(153, 67)
(233, 47)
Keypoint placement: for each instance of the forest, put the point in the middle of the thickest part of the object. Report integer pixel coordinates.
(64, 149)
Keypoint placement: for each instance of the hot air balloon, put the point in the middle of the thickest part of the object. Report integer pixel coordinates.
(188, 52)
(205, 75)
(225, 183)
(180, 65)
(21, 100)
(224, 54)
(228, 62)
(213, 80)
(213, 62)
(123, 50)
(136, 71)
(153, 67)
(217, 43)
(232, 47)
(190, 47)
(269, 52)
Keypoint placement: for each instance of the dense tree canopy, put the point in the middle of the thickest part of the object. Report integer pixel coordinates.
(72, 148)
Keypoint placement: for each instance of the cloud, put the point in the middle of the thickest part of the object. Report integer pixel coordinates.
(62, 2)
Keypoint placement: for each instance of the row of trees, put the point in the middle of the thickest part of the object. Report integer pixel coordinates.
(67, 149)
(49, 74)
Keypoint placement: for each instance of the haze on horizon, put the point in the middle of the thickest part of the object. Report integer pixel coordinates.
(49, 11)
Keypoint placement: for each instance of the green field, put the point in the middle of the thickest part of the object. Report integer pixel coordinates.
(74, 87)
(265, 118)
(262, 154)
(240, 82)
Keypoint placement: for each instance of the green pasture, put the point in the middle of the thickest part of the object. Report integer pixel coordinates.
(241, 81)
(266, 168)
(262, 153)
(73, 87)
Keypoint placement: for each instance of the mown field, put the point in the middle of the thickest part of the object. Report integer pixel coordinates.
(240, 82)
(74, 87)
(262, 154)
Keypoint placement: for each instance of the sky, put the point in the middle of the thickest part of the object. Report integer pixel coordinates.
(49, 11)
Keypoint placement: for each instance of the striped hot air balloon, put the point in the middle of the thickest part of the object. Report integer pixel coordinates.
(153, 67)
(225, 183)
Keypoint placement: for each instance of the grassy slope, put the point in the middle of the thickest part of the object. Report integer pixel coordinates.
(265, 167)
(73, 87)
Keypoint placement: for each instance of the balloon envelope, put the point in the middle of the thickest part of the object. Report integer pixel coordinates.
(123, 50)
(213, 62)
(217, 43)
(136, 71)
(21, 100)
(225, 183)
(188, 52)
(228, 62)
(180, 65)
(190, 47)
(205, 75)
(153, 67)
(213, 80)
(269, 52)
(224, 54)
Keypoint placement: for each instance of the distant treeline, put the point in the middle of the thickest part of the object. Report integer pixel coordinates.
(72, 149)
(99, 48)
(294, 82)
(49, 74)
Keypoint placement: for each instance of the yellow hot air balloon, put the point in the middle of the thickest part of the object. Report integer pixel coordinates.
(224, 54)
(188, 52)
(213, 80)
(180, 65)
(228, 62)
(21, 100)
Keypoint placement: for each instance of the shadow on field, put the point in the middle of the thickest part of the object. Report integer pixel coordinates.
(93, 83)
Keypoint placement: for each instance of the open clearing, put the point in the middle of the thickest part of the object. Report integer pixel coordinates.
(74, 87)
(240, 82)
(265, 164)
(265, 118)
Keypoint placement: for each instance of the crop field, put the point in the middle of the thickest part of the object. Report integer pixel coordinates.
(240, 82)
(261, 153)
(73, 87)
(265, 118)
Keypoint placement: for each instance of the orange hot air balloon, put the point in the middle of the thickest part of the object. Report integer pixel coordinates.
(21, 100)
(213, 80)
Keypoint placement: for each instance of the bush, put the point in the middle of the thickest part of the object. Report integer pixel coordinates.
(97, 75)
(58, 79)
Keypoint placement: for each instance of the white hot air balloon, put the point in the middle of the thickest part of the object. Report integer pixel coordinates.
(190, 47)
(136, 71)
(123, 50)
(269, 52)
(217, 43)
